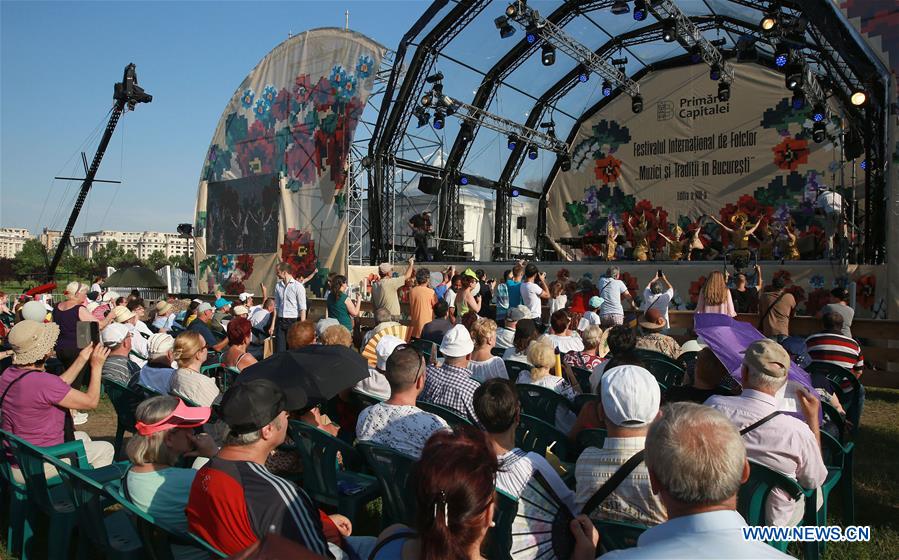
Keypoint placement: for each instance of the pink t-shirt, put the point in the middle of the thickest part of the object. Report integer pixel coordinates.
(30, 408)
(726, 308)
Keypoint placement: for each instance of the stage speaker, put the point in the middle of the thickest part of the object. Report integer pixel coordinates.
(521, 222)
(853, 144)
(429, 185)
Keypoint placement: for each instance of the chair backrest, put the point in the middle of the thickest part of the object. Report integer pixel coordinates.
(125, 401)
(583, 378)
(424, 346)
(754, 492)
(452, 417)
(499, 537)
(593, 437)
(497, 351)
(540, 402)
(227, 376)
(366, 399)
(839, 376)
(514, 369)
(211, 370)
(393, 471)
(5, 465)
(31, 463)
(666, 372)
(582, 399)
(618, 534)
(646, 354)
(318, 451)
(533, 434)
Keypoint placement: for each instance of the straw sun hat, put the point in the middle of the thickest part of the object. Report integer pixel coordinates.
(32, 341)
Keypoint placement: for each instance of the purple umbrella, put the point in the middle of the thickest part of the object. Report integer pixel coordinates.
(729, 338)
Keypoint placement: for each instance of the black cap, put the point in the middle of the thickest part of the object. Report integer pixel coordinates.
(247, 407)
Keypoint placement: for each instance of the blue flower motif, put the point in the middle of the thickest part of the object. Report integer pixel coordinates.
(261, 108)
(338, 76)
(364, 67)
(347, 89)
(247, 98)
(833, 166)
(269, 94)
(816, 282)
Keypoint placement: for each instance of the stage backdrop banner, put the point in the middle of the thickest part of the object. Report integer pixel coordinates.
(688, 154)
(272, 185)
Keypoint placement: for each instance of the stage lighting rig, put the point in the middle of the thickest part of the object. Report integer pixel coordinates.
(435, 78)
(695, 55)
(715, 72)
(771, 17)
(532, 153)
(502, 24)
(606, 88)
(639, 10)
(422, 115)
(637, 103)
(819, 132)
(548, 54)
(439, 119)
(819, 113)
(723, 91)
(583, 75)
(798, 100)
(512, 142)
(620, 7)
(858, 97)
(669, 31)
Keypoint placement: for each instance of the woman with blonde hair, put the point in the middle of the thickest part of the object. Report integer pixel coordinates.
(715, 297)
(591, 356)
(542, 357)
(483, 364)
(187, 382)
(165, 434)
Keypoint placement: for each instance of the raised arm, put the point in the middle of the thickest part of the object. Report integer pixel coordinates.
(410, 270)
(753, 228)
(306, 279)
(714, 219)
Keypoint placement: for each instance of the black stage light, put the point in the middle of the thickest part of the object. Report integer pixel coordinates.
(514, 192)
(781, 55)
(723, 91)
(769, 20)
(695, 54)
(426, 99)
(548, 54)
(565, 162)
(505, 28)
(669, 31)
(620, 7)
(583, 74)
(606, 88)
(637, 103)
(512, 142)
(819, 113)
(463, 180)
(422, 115)
(793, 77)
(512, 9)
(798, 100)
(715, 72)
(530, 34)
(434, 78)
(439, 119)
(466, 133)
(532, 152)
(639, 10)
(819, 132)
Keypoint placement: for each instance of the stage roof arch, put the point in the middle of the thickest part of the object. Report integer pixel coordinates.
(505, 77)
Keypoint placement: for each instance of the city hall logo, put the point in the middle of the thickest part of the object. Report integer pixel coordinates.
(664, 110)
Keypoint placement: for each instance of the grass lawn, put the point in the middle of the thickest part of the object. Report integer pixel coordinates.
(876, 479)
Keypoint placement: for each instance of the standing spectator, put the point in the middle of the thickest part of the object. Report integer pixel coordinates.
(190, 352)
(397, 422)
(562, 338)
(97, 286)
(238, 354)
(783, 443)
(630, 402)
(657, 295)
(651, 326)
(505, 335)
(483, 364)
(590, 356)
(697, 463)
(839, 298)
(450, 384)
(466, 299)
(833, 347)
(450, 297)
(534, 291)
(558, 299)
(261, 319)
(383, 292)
(165, 316)
(118, 368)
(584, 292)
(746, 298)
(514, 285)
(438, 327)
(199, 326)
(776, 308)
(339, 305)
(156, 375)
(485, 296)
(501, 298)
(715, 297)
(611, 290)
(422, 300)
(542, 358)
(441, 284)
(421, 228)
(525, 334)
(290, 305)
(591, 315)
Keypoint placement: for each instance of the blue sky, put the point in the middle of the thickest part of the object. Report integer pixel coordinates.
(58, 64)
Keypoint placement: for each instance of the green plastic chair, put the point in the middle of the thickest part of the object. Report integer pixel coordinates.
(124, 401)
(452, 417)
(533, 434)
(840, 472)
(18, 502)
(365, 399)
(541, 402)
(645, 354)
(157, 540)
(498, 352)
(583, 399)
(851, 402)
(393, 471)
(666, 372)
(514, 369)
(499, 537)
(226, 378)
(46, 497)
(593, 437)
(615, 535)
(424, 346)
(111, 535)
(211, 370)
(583, 378)
(345, 490)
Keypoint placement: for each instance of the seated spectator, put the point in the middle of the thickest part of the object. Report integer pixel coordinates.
(200, 326)
(496, 402)
(783, 443)
(157, 374)
(746, 298)
(484, 365)
(139, 309)
(239, 311)
(584, 290)
(35, 402)
(832, 347)
(376, 384)
(238, 355)
(591, 315)
(187, 382)
(651, 338)
(622, 341)
(261, 318)
(300, 334)
(562, 338)
(590, 357)
(164, 436)
(505, 336)
(696, 462)
(384, 320)
(234, 501)
(468, 319)
(827, 392)
(710, 377)
(434, 330)
(450, 384)
(525, 334)
(165, 316)
(838, 304)
(630, 402)
(322, 325)
(542, 357)
(118, 368)
(658, 295)
(337, 335)
(715, 297)
(776, 308)
(397, 422)
(190, 314)
(222, 313)
(139, 351)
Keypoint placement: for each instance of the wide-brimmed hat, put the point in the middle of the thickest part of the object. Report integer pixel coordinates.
(122, 314)
(164, 307)
(32, 341)
(603, 347)
(652, 320)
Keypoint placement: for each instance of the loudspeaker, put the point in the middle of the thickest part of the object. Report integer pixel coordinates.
(853, 144)
(429, 185)
(521, 222)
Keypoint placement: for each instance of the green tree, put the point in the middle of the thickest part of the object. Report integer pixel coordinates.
(32, 259)
(81, 267)
(108, 255)
(128, 259)
(157, 260)
(183, 262)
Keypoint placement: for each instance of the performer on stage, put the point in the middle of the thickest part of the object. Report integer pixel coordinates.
(739, 232)
(766, 240)
(675, 243)
(641, 242)
(695, 246)
(611, 239)
(789, 248)
(421, 229)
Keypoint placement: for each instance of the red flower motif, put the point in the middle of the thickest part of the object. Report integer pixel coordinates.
(281, 105)
(256, 154)
(302, 89)
(608, 169)
(751, 208)
(696, 289)
(630, 282)
(865, 290)
(245, 264)
(301, 159)
(656, 220)
(298, 249)
(816, 300)
(791, 153)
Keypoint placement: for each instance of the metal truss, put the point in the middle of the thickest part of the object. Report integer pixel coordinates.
(691, 36)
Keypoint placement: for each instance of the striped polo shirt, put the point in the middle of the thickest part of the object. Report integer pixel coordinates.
(836, 349)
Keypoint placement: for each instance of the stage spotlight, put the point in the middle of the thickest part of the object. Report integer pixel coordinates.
(439, 119)
(669, 31)
(512, 9)
(781, 55)
(185, 230)
(463, 180)
(606, 88)
(583, 74)
(532, 152)
(548, 55)
(565, 162)
(426, 100)
(798, 101)
(620, 7)
(695, 54)
(423, 116)
(723, 91)
(858, 97)
(637, 103)
(450, 109)
(793, 78)
(715, 72)
(434, 78)
(769, 20)
(818, 113)
(819, 132)
(639, 10)
(512, 142)
(505, 29)
(466, 133)
(514, 192)
(863, 164)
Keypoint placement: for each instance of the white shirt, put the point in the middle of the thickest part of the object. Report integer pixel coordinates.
(489, 369)
(530, 297)
(403, 428)
(139, 345)
(658, 301)
(587, 319)
(450, 297)
(610, 290)
(504, 337)
(830, 202)
(570, 343)
(511, 355)
(516, 467)
(290, 298)
(558, 303)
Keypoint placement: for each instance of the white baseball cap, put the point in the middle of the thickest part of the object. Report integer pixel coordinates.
(456, 342)
(385, 348)
(240, 310)
(630, 396)
(244, 295)
(114, 334)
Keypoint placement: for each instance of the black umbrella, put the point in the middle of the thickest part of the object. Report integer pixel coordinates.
(313, 373)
